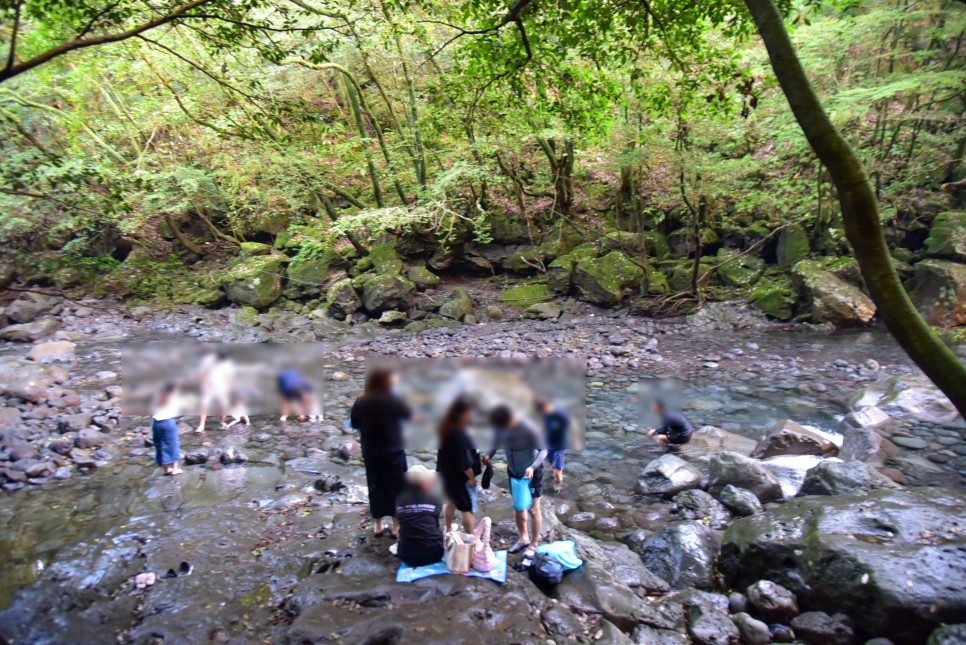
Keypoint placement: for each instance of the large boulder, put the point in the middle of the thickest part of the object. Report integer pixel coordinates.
(668, 475)
(773, 602)
(606, 280)
(738, 269)
(698, 505)
(739, 501)
(832, 299)
(818, 628)
(912, 396)
(892, 560)
(775, 297)
(793, 246)
(861, 439)
(457, 306)
(560, 271)
(307, 276)
(790, 438)
(29, 306)
(743, 472)
(342, 299)
(256, 281)
(385, 259)
(422, 277)
(939, 292)
(683, 554)
(843, 478)
(29, 332)
(947, 237)
(381, 292)
(525, 295)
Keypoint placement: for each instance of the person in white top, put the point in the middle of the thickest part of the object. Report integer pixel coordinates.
(164, 429)
(238, 410)
(217, 379)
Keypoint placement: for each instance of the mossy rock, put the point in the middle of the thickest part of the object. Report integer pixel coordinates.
(209, 297)
(342, 299)
(832, 299)
(560, 271)
(364, 265)
(422, 277)
(775, 297)
(458, 305)
(680, 240)
(247, 316)
(381, 292)
(385, 259)
(526, 261)
(307, 276)
(947, 237)
(679, 272)
(429, 323)
(252, 249)
(255, 282)
(738, 270)
(270, 223)
(940, 292)
(606, 280)
(524, 295)
(793, 246)
(633, 244)
(657, 283)
(508, 228)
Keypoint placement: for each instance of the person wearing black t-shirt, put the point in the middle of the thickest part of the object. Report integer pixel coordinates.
(675, 428)
(458, 464)
(417, 511)
(378, 415)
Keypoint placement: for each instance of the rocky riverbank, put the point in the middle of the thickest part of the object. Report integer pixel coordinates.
(272, 518)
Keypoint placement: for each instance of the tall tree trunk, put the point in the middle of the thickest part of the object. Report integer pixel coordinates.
(860, 212)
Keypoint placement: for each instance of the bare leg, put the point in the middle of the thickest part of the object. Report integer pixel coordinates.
(175, 469)
(201, 419)
(377, 526)
(537, 523)
(285, 408)
(521, 519)
(558, 477)
(225, 426)
(469, 521)
(449, 513)
(395, 528)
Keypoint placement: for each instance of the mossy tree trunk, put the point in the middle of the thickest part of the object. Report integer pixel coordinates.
(860, 211)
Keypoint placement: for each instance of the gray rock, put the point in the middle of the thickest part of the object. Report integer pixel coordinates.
(819, 628)
(772, 601)
(862, 555)
(683, 554)
(752, 630)
(29, 306)
(647, 635)
(543, 311)
(743, 472)
(712, 628)
(739, 501)
(698, 505)
(29, 332)
(233, 456)
(861, 438)
(392, 318)
(196, 457)
(458, 305)
(911, 396)
(912, 443)
(790, 438)
(737, 602)
(948, 635)
(89, 438)
(843, 478)
(668, 475)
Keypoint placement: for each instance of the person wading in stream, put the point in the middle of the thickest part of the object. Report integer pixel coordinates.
(378, 415)
(525, 452)
(675, 428)
(164, 429)
(556, 425)
(458, 464)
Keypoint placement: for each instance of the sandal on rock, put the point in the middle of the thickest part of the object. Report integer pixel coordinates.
(518, 546)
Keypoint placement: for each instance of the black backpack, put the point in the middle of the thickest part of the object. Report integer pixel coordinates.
(545, 571)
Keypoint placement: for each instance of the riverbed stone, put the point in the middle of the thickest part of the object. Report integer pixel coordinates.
(381, 292)
(752, 630)
(843, 478)
(29, 307)
(832, 299)
(909, 397)
(342, 299)
(698, 505)
(709, 627)
(818, 628)
(256, 281)
(683, 554)
(743, 472)
(773, 602)
(457, 306)
(852, 554)
(52, 350)
(947, 236)
(948, 635)
(740, 501)
(790, 438)
(90, 438)
(939, 292)
(29, 332)
(668, 475)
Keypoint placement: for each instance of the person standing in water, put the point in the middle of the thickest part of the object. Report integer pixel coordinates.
(164, 429)
(216, 377)
(675, 428)
(556, 425)
(378, 415)
(525, 451)
(458, 464)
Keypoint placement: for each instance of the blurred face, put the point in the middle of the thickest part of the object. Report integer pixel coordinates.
(657, 408)
(466, 418)
(428, 485)
(393, 382)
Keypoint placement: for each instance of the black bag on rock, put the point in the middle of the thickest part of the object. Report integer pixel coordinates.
(487, 476)
(545, 572)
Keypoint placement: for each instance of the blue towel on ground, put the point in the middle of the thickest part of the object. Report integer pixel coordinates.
(564, 551)
(411, 574)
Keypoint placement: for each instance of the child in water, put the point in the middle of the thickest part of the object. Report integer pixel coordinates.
(164, 429)
(238, 410)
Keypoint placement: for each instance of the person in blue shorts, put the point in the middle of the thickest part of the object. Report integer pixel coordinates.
(556, 425)
(297, 397)
(164, 429)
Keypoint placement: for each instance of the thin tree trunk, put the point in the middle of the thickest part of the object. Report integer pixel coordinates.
(350, 90)
(860, 212)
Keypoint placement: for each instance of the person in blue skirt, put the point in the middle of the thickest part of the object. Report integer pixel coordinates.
(164, 430)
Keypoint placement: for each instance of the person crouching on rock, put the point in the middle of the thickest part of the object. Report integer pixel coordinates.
(417, 511)
(458, 464)
(525, 452)
(164, 429)
(675, 428)
(378, 415)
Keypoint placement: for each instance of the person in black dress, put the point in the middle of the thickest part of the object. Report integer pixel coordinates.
(417, 509)
(458, 464)
(378, 415)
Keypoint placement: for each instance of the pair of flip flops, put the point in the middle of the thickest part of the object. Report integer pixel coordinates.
(184, 569)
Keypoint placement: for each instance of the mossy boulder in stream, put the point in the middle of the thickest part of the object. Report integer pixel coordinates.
(947, 237)
(560, 272)
(458, 305)
(774, 296)
(252, 249)
(256, 281)
(342, 299)
(940, 292)
(385, 259)
(307, 275)
(893, 560)
(524, 295)
(422, 277)
(634, 244)
(832, 299)
(737, 269)
(793, 246)
(606, 280)
(381, 292)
